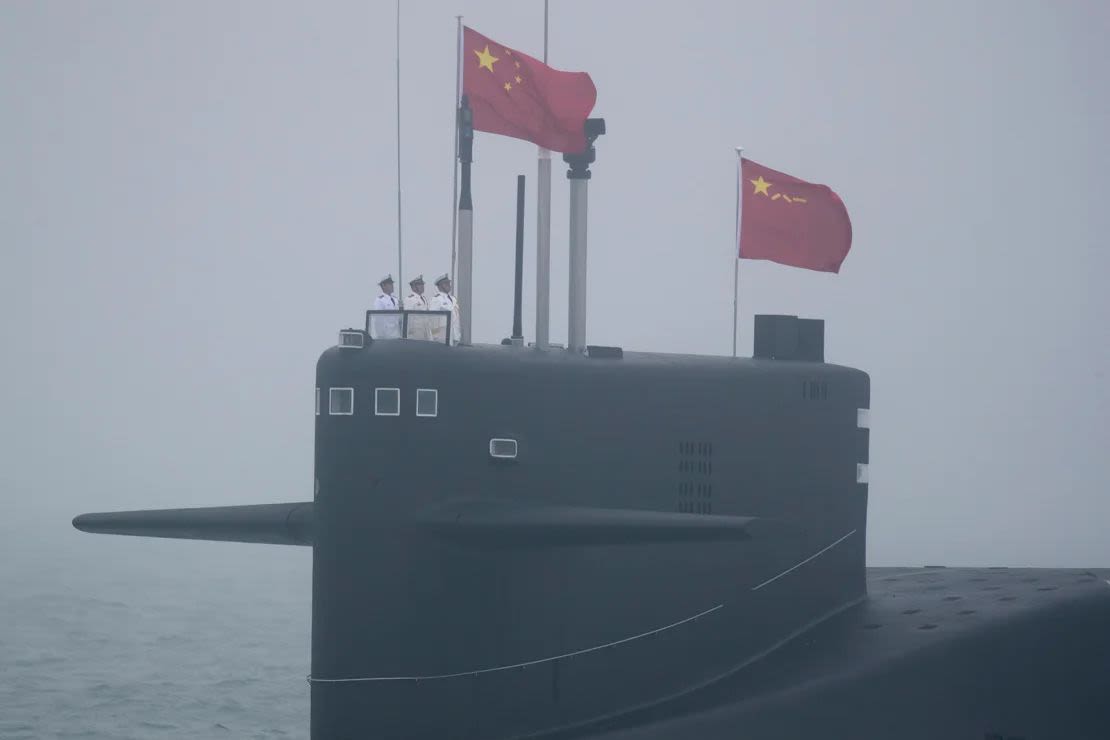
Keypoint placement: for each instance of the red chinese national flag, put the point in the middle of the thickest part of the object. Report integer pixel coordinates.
(513, 94)
(791, 221)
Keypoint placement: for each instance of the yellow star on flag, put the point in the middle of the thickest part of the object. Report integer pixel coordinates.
(761, 185)
(485, 59)
(518, 80)
(508, 86)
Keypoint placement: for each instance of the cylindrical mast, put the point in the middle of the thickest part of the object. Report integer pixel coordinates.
(579, 176)
(576, 299)
(736, 249)
(543, 250)
(455, 181)
(400, 265)
(543, 232)
(466, 223)
(518, 285)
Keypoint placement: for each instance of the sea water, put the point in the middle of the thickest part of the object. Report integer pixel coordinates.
(121, 637)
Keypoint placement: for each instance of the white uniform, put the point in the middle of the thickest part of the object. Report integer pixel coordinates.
(418, 325)
(386, 327)
(446, 302)
(416, 302)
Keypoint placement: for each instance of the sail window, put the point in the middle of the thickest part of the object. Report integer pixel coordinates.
(352, 339)
(317, 401)
(341, 401)
(387, 401)
(503, 449)
(427, 402)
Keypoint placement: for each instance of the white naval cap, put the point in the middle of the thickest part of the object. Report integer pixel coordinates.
(441, 278)
(418, 279)
(387, 279)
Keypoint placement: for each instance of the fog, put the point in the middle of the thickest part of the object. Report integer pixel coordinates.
(195, 197)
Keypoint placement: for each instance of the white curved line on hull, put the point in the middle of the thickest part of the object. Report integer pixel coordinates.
(524, 664)
(799, 565)
(538, 661)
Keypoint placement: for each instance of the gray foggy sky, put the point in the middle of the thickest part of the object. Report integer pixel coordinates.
(195, 197)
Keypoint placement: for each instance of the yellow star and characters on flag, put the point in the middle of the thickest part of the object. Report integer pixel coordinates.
(762, 187)
(486, 60)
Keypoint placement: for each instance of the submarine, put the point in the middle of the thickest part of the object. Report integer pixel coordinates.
(638, 545)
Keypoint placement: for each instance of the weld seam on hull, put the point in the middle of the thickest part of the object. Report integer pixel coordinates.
(524, 664)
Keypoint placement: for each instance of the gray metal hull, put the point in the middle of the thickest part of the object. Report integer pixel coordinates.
(751, 465)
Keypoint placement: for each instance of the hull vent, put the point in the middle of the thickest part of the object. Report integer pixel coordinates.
(813, 390)
(695, 473)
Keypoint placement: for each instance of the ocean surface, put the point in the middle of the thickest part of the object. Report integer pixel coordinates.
(122, 637)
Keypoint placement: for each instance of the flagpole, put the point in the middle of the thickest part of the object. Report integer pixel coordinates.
(736, 251)
(400, 268)
(543, 230)
(455, 131)
(466, 223)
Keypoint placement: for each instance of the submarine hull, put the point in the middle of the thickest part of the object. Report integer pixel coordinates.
(665, 522)
(527, 544)
(989, 654)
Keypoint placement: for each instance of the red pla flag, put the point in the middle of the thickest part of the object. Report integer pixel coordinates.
(791, 221)
(513, 94)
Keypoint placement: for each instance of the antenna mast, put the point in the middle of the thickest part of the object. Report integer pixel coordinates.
(455, 112)
(543, 231)
(400, 267)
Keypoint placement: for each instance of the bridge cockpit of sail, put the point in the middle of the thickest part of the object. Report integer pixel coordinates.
(426, 326)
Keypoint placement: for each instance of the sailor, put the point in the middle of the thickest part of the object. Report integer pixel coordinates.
(418, 326)
(386, 327)
(444, 301)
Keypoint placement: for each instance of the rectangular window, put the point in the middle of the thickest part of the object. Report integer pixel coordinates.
(387, 401)
(317, 401)
(341, 401)
(502, 448)
(351, 339)
(427, 402)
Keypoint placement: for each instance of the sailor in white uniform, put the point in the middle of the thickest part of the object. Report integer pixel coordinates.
(418, 327)
(386, 327)
(444, 301)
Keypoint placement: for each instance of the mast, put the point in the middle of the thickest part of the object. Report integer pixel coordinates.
(579, 176)
(543, 231)
(465, 221)
(455, 134)
(400, 266)
(736, 248)
(517, 338)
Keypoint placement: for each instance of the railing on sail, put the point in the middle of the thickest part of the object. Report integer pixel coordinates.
(427, 326)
